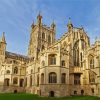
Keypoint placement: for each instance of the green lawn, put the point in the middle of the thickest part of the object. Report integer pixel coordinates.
(35, 97)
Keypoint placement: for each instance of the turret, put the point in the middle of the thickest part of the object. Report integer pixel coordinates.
(3, 42)
(69, 25)
(3, 38)
(53, 26)
(32, 26)
(2, 47)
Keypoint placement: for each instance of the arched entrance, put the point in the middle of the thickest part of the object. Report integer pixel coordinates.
(51, 94)
(15, 91)
(82, 92)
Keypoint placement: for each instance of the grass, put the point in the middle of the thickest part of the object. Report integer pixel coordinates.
(23, 96)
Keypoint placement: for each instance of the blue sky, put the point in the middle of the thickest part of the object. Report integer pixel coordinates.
(16, 17)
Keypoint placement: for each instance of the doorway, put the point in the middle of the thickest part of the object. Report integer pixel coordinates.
(15, 91)
(82, 92)
(51, 94)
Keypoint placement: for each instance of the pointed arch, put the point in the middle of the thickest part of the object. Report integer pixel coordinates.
(63, 78)
(43, 36)
(52, 77)
(91, 61)
(76, 53)
(42, 78)
(15, 70)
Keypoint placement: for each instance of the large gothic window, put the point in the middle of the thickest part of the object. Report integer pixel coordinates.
(63, 78)
(76, 54)
(92, 77)
(76, 79)
(52, 59)
(52, 77)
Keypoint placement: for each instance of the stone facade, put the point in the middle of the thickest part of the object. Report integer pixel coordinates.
(63, 67)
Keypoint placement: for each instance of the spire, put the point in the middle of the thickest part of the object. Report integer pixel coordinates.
(69, 22)
(53, 25)
(3, 38)
(32, 25)
(39, 19)
(69, 25)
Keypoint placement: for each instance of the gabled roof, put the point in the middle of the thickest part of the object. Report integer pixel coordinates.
(15, 55)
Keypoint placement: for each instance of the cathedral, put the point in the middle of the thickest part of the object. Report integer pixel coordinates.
(56, 68)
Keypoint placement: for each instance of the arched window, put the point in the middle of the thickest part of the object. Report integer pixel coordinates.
(63, 63)
(77, 79)
(81, 57)
(15, 80)
(92, 77)
(52, 77)
(38, 80)
(91, 61)
(6, 82)
(76, 54)
(31, 80)
(15, 70)
(43, 63)
(49, 39)
(83, 44)
(26, 81)
(21, 82)
(63, 78)
(42, 78)
(52, 59)
(15, 62)
(8, 71)
(43, 36)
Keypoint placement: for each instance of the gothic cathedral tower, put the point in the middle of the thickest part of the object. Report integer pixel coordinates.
(41, 37)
